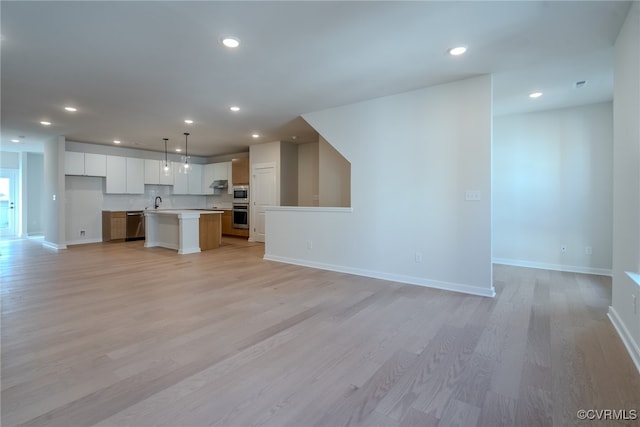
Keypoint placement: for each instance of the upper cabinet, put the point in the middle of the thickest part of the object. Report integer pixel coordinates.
(216, 172)
(125, 175)
(86, 164)
(154, 172)
(240, 171)
(187, 183)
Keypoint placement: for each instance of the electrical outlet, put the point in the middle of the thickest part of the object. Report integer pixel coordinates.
(309, 244)
(588, 250)
(634, 301)
(82, 233)
(563, 249)
(418, 257)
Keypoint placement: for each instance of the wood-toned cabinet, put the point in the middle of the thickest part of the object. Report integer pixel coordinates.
(240, 171)
(209, 232)
(227, 222)
(114, 225)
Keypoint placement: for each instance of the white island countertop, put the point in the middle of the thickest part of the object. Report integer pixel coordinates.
(181, 229)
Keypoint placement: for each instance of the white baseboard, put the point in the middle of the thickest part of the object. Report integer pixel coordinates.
(447, 286)
(55, 246)
(554, 267)
(82, 242)
(627, 338)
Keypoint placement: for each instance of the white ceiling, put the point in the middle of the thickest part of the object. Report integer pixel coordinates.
(136, 70)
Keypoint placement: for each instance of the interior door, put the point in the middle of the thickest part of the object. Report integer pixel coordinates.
(8, 203)
(263, 194)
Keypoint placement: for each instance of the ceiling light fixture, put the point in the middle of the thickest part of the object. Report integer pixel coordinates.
(184, 167)
(44, 123)
(188, 121)
(234, 108)
(457, 51)
(166, 163)
(230, 41)
(71, 109)
(255, 135)
(115, 141)
(178, 150)
(535, 95)
(15, 140)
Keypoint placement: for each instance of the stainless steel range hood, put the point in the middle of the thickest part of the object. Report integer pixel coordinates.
(219, 186)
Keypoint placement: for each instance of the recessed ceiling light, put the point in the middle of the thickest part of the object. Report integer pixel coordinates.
(255, 135)
(535, 95)
(234, 108)
(45, 123)
(458, 50)
(178, 150)
(115, 141)
(230, 41)
(15, 140)
(71, 109)
(188, 121)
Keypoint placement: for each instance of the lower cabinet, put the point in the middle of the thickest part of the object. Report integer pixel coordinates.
(114, 225)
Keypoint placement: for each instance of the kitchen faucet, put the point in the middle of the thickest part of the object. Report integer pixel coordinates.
(156, 204)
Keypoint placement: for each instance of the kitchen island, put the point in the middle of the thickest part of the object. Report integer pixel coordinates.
(184, 230)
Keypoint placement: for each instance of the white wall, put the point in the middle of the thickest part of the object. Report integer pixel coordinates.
(626, 184)
(413, 156)
(552, 186)
(334, 171)
(288, 174)
(308, 161)
(9, 160)
(33, 183)
(53, 202)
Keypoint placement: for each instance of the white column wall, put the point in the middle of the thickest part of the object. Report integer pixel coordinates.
(413, 156)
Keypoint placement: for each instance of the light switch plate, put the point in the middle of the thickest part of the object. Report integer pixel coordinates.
(472, 195)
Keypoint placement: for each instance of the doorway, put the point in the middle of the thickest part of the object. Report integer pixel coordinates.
(8, 203)
(263, 194)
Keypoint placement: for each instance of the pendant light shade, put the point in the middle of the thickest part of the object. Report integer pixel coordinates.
(166, 168)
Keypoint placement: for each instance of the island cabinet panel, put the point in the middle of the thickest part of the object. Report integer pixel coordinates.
(114, 225)
(210, 228)
(227, 222)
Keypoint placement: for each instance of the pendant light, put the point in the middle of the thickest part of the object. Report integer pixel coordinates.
(184, 168)
(166, 163)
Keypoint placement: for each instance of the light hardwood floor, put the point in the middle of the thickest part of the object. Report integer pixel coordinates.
(118, 335)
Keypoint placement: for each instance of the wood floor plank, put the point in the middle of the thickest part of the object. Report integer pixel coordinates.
(119, 335)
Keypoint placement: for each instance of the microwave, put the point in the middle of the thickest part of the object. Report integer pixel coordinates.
(240, 194)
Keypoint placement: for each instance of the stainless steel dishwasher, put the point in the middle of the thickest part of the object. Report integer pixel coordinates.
(135, 225)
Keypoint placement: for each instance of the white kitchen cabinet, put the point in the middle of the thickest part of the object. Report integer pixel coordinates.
(95, 164)
(86, 164)
(135, 176)
(166, 178)
(125, 175)
(73, 163)
(195, 179)
(207, 178)
(116, 174)
(151, 171)
(216, 172)
(180, 180)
